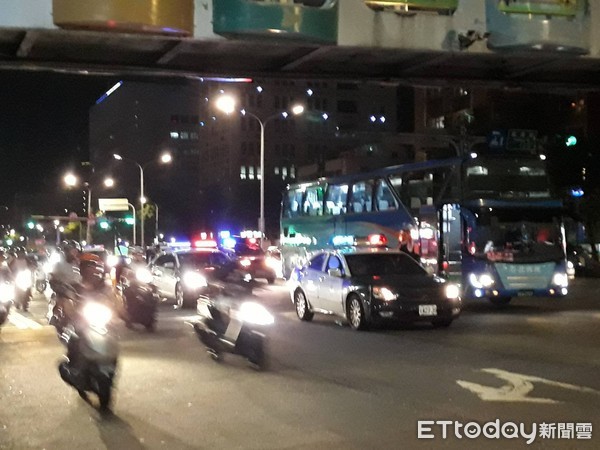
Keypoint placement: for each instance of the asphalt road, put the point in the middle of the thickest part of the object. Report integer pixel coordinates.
(536, 362)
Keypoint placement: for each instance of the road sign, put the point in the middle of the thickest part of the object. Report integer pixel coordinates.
(496, 139)
(521, 140)
(113, 204)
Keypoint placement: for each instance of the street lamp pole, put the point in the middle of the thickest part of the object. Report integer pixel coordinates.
(156, 221)
(134, 233)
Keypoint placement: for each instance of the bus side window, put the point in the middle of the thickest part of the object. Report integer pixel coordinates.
(335, 200)
(313, 203)
(384, 197)
(362, 197)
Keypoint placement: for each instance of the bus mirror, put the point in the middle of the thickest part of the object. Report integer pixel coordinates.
(335, 273)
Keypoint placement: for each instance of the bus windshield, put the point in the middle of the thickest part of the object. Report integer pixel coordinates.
(516, 235)
(506, 178)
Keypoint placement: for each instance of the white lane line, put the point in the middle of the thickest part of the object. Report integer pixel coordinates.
(518, 388)
(22, 322)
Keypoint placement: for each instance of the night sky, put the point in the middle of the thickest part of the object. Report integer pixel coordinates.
(43, 126)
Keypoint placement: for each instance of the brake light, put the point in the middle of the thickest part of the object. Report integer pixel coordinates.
(377, 239)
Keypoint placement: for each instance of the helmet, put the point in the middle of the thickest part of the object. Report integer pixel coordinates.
(89, 259)
(67, 246)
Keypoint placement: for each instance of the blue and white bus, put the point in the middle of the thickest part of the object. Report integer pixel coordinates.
(488, 221)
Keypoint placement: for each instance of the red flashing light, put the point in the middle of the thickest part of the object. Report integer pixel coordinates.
(377, 239)
(205, 243)
(445, 265)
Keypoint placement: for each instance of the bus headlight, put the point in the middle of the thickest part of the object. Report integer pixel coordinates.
(194, 280)
(452, 292)
(560, 279)
(485, 280)
(383, 293)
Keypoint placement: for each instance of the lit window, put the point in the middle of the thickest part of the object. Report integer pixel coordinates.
(276, 170)
(251, 172)
(284, 173)
(174, 135)
(184, 135)
(258, 173)
(194, 136)
(243, 172)
(292, 172)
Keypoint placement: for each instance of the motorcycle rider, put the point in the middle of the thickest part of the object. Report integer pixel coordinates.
(17, 264)
(64, 276)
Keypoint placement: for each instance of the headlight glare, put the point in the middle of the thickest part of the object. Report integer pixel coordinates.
(143, 275)
(256, 314)
(7, 292)
(23, 279)
(485, 280)
(384, 293)
(97, 314)
(194, 280)
(452, 291)
(560, 279)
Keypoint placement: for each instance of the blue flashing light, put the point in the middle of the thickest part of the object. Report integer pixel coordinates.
(578, 192)
(228, 242)
(224, 234)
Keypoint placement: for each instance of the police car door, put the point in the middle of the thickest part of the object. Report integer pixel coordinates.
(332, 285)
(312, 276)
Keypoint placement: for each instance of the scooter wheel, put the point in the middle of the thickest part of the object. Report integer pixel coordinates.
(104, 393)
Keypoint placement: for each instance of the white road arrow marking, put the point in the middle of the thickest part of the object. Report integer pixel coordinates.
(22, 322)
(518, 388)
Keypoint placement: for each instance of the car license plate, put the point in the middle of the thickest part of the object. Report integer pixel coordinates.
(427, 310)
(233, 330)
(525, 294)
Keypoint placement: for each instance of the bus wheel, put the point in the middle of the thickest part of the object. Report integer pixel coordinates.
(302, 306)
(356, 314)
(500, 301)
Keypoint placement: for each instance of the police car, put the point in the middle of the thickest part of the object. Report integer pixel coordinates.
(183, 274)
(371, 284)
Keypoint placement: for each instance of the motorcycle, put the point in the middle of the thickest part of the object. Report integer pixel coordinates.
(92, 353)
(7, 294)
(139, 298)
(23, 285)
(232, 330)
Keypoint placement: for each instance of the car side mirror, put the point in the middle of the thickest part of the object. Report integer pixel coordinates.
(335, 273)
(169, 265)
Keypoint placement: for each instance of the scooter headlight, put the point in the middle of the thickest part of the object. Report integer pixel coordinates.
(97, 315)
(112, 260)
(452, 292)
(48, 267)
(256, 314)
(7, 292)
(143, 275)
(560, 279)
(23, 279)
(245, 263)
(194, 280)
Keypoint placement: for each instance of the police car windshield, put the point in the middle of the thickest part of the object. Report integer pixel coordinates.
(196, 260)
(371, 264)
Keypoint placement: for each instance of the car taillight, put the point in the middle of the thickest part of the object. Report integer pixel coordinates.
(377, 239)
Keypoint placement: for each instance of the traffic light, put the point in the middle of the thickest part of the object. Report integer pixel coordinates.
(104, 225)
(129, 220)
(30, 225)
(571, 141)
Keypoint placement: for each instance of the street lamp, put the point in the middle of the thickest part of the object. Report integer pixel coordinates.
(226, 104)
(165, 158)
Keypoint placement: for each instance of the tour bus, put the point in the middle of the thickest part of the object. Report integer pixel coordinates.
(486, 221)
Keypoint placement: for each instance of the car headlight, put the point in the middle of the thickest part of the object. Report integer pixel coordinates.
(7, 292)
(485, 280)
(256, 314)
(96, 315)
(384, 293)
(143, 275)
(23, 279)
(194, 280)
(452, 292)
(560, 279)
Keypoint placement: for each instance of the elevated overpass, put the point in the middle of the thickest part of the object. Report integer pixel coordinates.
(413, 47)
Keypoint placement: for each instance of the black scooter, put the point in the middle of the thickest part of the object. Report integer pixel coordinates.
(92, 352)
(227, 326)
(138, 296)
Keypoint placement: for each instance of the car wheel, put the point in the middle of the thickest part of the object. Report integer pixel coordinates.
(179, 296)
(356, 314)
(500, 301)
(302, 306)
(441, 323)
